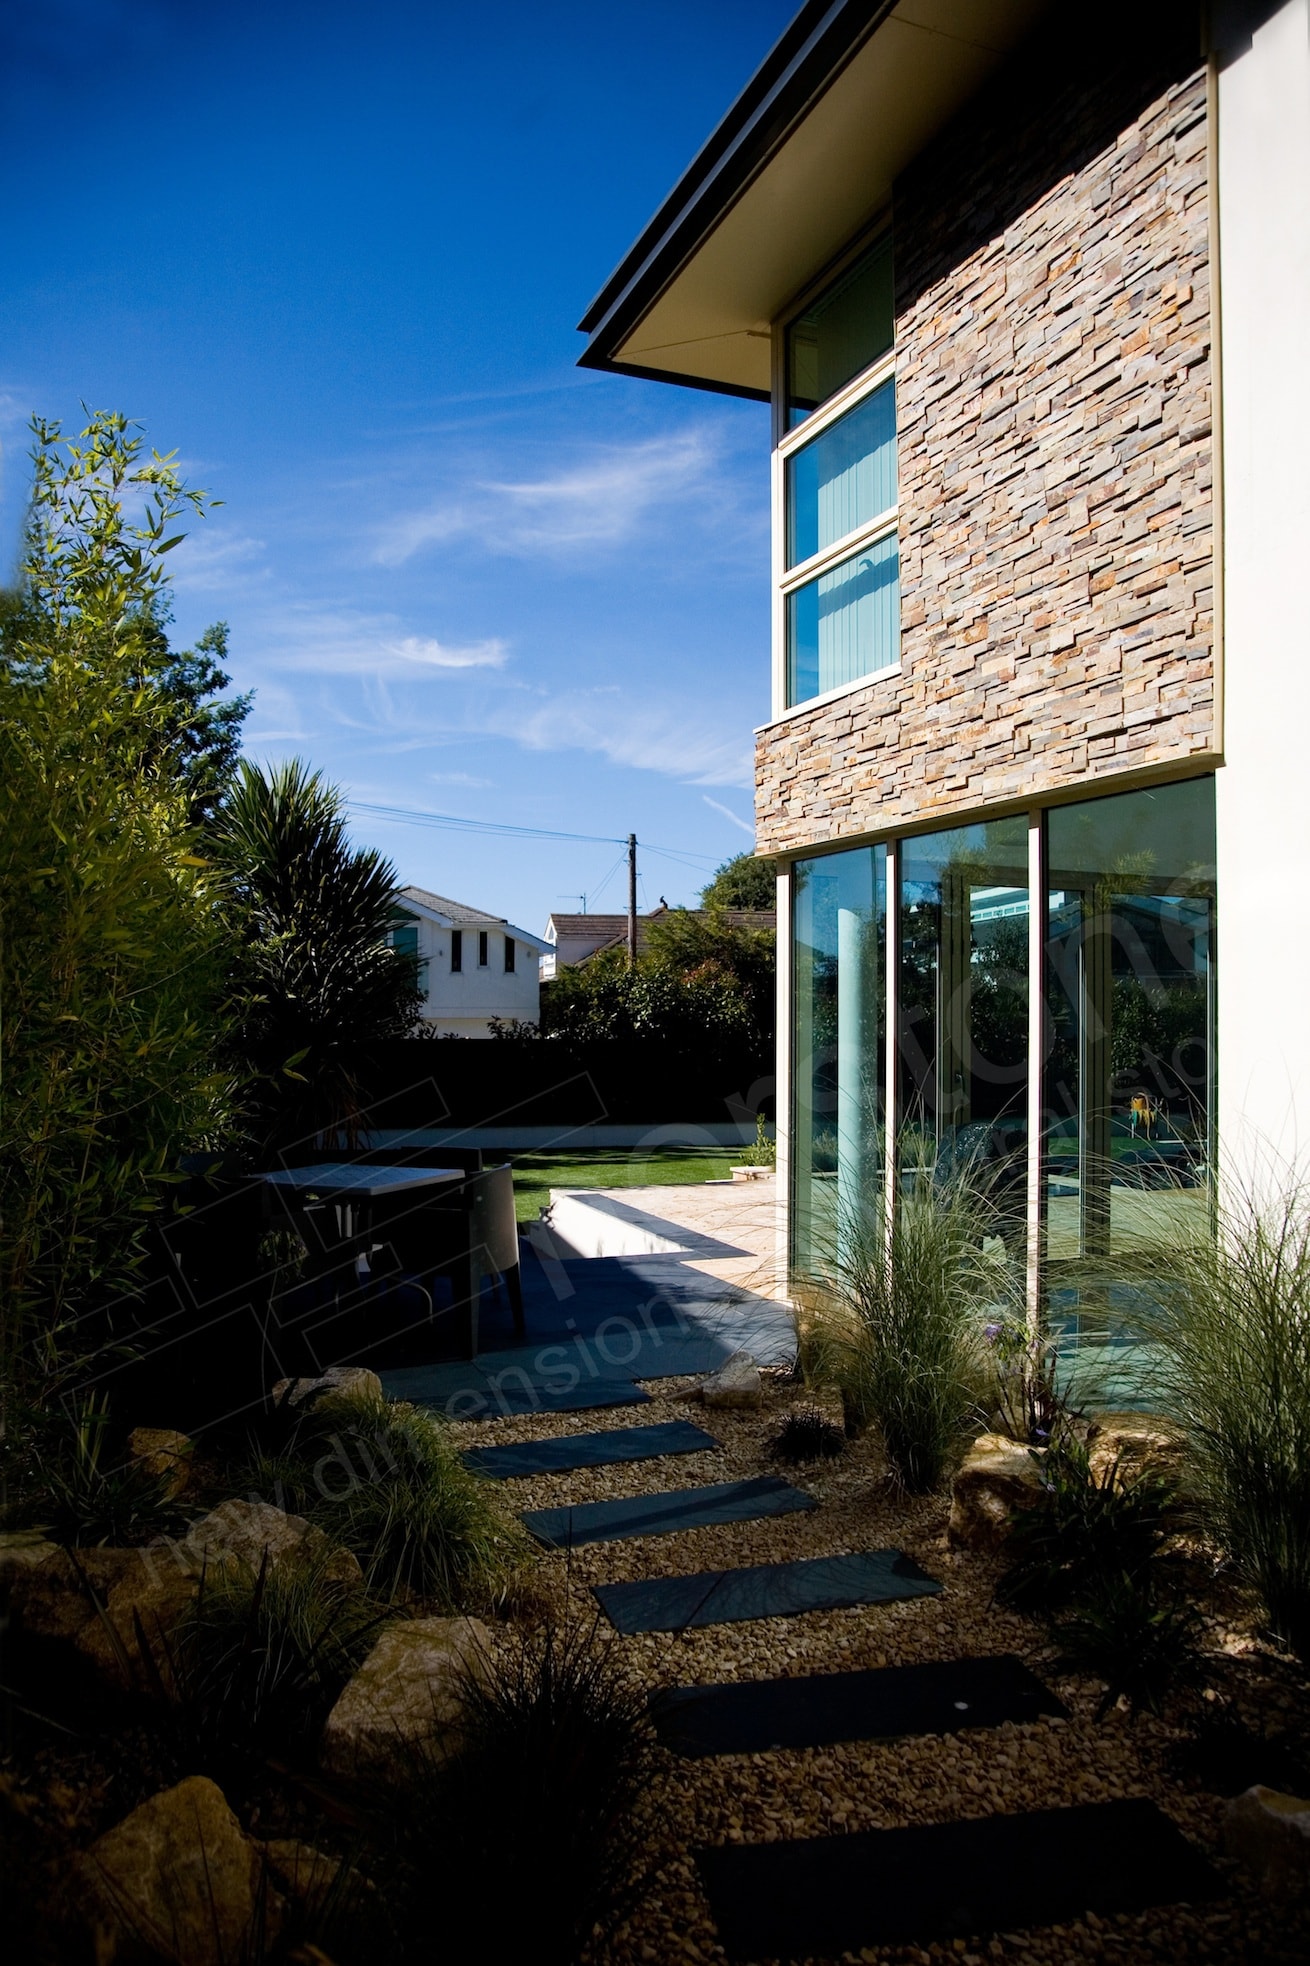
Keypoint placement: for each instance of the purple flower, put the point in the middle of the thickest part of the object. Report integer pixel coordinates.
(991, 1332)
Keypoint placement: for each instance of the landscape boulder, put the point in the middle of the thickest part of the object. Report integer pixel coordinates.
(1138, 1444)
(178, 1880)
(997, 1476)
(99, 1601)
(1270, 1834)
(164, 1454)
(247, 1532)
(340, 1383)
(737, 1383)
(407, 1695)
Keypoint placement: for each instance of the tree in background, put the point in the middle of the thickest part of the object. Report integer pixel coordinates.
(202, 726)
(602, 1000)
(707, 947)
(111, 946)
(315, 974)
(743, 882)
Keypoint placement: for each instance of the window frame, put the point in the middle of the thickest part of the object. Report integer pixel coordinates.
(786, 580)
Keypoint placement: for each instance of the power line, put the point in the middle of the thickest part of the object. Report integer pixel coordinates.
(412, 816)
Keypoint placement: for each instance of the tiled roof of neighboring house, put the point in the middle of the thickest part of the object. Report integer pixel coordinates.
(459, 912)
(610, 931)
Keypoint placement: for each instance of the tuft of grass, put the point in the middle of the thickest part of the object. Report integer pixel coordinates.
(805, 1435)
(536, 1814)
(1085, 1534)
(1140, 1638)
(421, 1523)
(85, 1493)
(899, 1330)
(260, 1659)
(1228, 1314)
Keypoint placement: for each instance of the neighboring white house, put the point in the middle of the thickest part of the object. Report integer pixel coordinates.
(472, 966)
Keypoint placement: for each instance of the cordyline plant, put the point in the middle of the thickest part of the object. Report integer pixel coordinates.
(110, 946)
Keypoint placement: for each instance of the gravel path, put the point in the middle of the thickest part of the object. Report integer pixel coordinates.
(879, 1785)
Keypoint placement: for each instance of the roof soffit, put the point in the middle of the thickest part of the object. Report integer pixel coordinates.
(828, 177)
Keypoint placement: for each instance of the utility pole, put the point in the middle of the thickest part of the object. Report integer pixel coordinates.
(632, 900)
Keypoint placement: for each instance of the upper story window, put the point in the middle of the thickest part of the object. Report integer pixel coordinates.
(849, 326)
(509, 955)
(837, 562)
(482, 948)
(456, 950)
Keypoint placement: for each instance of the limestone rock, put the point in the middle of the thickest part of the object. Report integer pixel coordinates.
(1270, 1833)
(736, 1383)
(407, 1693)
(996, 1476)
(338, 1383)
(178, 1880)
(163, 1453)
(1140, 1443)
(247, 1530)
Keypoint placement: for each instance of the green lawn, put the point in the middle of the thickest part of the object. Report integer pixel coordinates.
(536, 1174)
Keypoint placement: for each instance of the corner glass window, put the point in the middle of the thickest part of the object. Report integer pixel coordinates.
(839, 931)
(845, 624)
(844, 479)
(849, 327)
(1130, 1001)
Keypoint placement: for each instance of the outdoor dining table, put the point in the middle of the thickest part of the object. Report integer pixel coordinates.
(350, 1188)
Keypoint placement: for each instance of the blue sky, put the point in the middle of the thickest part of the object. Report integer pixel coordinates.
(335, 257)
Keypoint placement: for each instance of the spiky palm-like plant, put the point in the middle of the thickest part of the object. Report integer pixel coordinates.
(316, 970)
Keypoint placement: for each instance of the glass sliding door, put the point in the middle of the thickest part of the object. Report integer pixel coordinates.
(839, 946)
(962, 1038)
(1130, 1001)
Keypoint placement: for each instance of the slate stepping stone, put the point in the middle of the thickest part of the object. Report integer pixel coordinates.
(753, 1716)
(535, 1457)
(764, 1590)
(834, 1894)
(661, 1515)
(508, 1384)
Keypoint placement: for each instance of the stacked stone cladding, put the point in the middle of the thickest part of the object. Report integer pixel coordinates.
(1053, 401)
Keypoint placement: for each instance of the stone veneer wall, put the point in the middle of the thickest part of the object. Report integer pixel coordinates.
(1053, 392)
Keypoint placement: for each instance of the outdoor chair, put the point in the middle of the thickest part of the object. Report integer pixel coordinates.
(464, 1234)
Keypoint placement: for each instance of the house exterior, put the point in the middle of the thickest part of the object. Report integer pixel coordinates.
(1027, 291)
(574, 938)
(472, 966)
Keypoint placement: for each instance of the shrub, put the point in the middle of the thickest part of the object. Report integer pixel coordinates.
(1230, 1316)
(421, 1523)
(806, 1435)
(900, 1329)
(542, 1794)
(110, 951)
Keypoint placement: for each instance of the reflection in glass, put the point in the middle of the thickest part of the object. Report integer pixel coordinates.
(1130, 1005)
(846, 624)
(845, 478)
(963, 1033)
(845, 330)
(839, 924)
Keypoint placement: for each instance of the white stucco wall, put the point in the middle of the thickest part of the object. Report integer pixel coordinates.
(462, 1001)
(1263, 157)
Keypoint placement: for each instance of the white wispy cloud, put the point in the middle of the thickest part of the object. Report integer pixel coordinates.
(651, 734)
(728, 813)
(214, 559)
(601, 500)
(374, 649)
